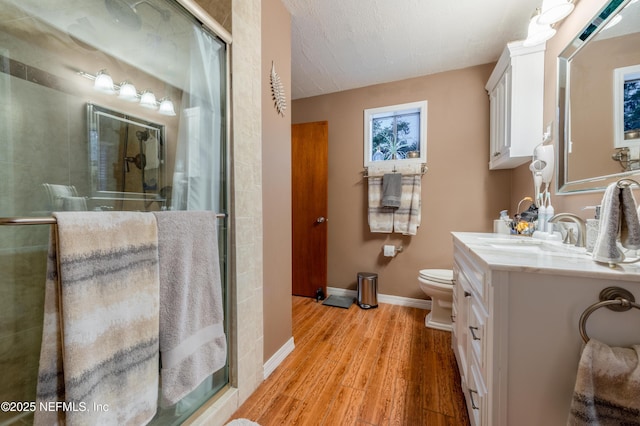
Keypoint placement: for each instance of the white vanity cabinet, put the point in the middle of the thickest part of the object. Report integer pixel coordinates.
(469, 337)
(516, 91)
(515, 333)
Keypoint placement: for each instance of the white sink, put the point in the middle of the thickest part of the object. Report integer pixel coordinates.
(534, 246)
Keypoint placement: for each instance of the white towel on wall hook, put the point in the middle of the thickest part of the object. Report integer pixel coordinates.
(629, 223)
(605, 248)
(618, 222)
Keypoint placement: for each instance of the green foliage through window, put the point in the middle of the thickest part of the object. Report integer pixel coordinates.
(632, 105)
(394, 136)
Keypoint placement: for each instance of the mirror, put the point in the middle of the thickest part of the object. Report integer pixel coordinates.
(598, 96)
(126, 158)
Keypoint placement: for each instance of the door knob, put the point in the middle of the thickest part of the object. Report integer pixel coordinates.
(321, 219)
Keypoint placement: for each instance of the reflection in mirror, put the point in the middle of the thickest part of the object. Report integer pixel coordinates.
(127, 158)
(597, 97)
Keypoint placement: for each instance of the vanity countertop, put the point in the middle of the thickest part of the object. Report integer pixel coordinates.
(524, 254)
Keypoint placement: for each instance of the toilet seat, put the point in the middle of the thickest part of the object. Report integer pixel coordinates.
(440, 276)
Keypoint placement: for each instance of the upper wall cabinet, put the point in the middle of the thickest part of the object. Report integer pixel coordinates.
(516, 91)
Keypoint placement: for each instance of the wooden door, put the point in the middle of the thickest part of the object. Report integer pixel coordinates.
(309, 150)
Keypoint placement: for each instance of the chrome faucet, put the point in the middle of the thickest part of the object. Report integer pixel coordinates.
(570, 217)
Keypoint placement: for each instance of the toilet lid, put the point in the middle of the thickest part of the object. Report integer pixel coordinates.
(443, 276)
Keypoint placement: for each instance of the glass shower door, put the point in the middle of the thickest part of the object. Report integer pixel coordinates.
(165, 153)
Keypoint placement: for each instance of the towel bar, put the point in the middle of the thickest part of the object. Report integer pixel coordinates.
(48, 220)
(614, 298)
(423, 170)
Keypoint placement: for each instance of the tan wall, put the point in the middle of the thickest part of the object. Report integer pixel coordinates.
(276, 179)
(459, 193)
(523, 182)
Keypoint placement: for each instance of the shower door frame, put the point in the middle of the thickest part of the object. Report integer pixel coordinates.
(225, 397)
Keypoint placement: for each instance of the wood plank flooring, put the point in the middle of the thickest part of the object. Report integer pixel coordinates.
(361, 367)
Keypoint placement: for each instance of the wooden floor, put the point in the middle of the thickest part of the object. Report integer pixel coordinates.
(361, 367)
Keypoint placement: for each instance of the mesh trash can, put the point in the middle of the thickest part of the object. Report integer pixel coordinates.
(367, 290)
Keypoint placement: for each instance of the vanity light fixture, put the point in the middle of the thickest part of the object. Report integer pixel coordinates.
(128, 92)
(554, 11)
(148, 100)
(538, 33)
(166, 107)
(103, 82)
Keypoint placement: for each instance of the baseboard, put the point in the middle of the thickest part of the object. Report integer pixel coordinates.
(386, 298)
(278, 357)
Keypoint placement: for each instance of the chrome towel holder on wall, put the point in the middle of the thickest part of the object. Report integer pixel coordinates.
(615, 298)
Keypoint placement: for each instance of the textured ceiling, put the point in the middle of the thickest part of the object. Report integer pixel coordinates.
(345, 44)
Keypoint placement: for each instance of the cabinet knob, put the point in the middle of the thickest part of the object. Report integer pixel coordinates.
(453, 318)
(467, 294)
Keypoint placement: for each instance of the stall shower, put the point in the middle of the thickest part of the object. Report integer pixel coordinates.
(64, 141)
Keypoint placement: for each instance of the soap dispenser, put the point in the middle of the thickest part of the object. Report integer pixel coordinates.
(593, 228)
(502, 225)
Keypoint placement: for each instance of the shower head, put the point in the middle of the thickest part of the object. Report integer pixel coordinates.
(124, 14)
(142, 135)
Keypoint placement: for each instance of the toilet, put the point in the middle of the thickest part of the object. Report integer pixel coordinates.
(438, 285)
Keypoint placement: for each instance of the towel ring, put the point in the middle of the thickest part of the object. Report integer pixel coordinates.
(615, 298)
(623, 183)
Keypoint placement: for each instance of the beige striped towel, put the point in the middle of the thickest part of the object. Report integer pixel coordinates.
(404, 219)
(407, 217)
(380, 217)
(607, 390)
(99, 356)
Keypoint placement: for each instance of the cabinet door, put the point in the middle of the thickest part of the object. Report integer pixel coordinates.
(469, 334)
(461, 322)
(500, 108)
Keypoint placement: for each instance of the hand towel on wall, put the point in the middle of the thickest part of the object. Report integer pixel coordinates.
(607, 389)
(380, 218)
(100, 332)
(605, 248)
(407, 217)
(151, 153)
(618, 220)
(391, 190)
(629, 223)
(192, 340)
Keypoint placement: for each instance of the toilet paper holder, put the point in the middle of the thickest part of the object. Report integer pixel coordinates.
(391, 250)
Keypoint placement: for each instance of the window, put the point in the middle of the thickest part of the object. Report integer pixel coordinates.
(396, 134)
(626, 98)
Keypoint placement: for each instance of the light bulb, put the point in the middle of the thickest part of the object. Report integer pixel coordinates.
(103, 82)
(554, 11)
(166, 107)
(148, 100)
(128, 92)
(613, 22)
(537, 33)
